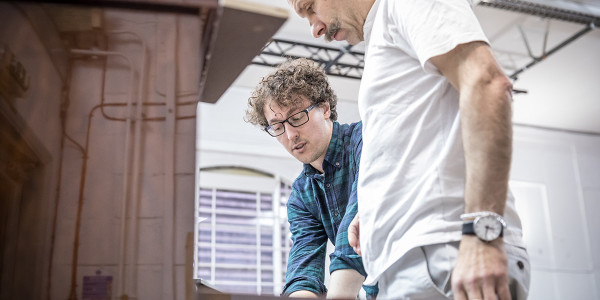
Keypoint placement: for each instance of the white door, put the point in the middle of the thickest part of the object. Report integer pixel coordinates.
(554, 178)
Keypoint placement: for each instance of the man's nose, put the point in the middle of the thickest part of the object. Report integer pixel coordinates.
(317, 27)
(291, 131)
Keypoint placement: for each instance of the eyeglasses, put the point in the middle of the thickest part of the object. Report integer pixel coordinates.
(296, 120)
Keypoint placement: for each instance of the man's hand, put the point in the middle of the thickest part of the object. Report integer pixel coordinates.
(481, 270)
(353, 235)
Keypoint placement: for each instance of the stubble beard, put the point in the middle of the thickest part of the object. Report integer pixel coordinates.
(308, 157)
(334, 27)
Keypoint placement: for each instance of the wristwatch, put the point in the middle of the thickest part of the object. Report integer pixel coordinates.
(487, 226)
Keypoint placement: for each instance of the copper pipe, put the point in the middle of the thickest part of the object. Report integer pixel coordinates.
(63, 117)
(73, 294)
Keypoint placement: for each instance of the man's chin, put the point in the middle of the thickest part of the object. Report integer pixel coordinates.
(353, 40)
(303, 159)
(350, 40)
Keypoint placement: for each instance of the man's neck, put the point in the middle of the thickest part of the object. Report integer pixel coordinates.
(318, 164)
(366, 6)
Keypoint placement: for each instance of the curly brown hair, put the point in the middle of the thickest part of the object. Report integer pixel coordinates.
(291, 79)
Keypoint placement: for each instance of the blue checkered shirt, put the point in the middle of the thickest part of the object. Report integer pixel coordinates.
(320, 207)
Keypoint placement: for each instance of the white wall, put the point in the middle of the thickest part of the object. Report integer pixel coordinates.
(159, 203)
(555, 177)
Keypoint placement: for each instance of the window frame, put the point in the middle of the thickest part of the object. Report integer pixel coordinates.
(239, 180)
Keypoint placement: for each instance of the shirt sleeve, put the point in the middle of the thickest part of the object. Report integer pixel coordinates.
(344, 257)
(307, 255)
(449, 23)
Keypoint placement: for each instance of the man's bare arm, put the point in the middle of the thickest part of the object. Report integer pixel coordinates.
(485, 108)
(486, 113)
(303, 294)
(344, 284)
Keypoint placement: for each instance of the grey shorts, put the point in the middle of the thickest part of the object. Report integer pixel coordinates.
(424, 273)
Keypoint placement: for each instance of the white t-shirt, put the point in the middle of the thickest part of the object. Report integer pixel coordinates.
(412, 172)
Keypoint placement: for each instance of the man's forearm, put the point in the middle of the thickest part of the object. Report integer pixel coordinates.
(345, 284)
(485, 112)
(303, 294)
(481, 269)
(486, 120)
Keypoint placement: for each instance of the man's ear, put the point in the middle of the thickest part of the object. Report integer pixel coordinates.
(326, 110)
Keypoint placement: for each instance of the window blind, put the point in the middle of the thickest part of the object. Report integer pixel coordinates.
(243, 241)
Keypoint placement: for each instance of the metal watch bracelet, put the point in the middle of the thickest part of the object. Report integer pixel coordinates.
(483, 214)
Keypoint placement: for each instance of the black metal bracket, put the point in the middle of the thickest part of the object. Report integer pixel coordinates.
(336, 61)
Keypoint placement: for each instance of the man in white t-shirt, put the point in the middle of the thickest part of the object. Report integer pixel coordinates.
(436, 217)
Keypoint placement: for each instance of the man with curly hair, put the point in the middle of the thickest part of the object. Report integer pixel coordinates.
(296, 105)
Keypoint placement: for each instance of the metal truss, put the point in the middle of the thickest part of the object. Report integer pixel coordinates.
(346, 63)
(547, 12)
(543, 11)
(336, 61)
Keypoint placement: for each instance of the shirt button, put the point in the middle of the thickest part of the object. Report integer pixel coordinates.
(335, 214)
(328, 185)
(337, 164)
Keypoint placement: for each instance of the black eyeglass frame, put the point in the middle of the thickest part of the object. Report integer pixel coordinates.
(308, 109)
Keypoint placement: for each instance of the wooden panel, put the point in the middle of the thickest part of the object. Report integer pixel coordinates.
(240, 35)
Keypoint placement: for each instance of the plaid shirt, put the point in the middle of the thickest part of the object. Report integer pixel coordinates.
(320, 207)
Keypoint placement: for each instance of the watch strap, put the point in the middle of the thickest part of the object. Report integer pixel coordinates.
(467, 228)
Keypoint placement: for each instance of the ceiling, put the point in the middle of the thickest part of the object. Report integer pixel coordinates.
(562, 91)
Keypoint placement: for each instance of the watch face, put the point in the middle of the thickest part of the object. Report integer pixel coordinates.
(487, 228)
